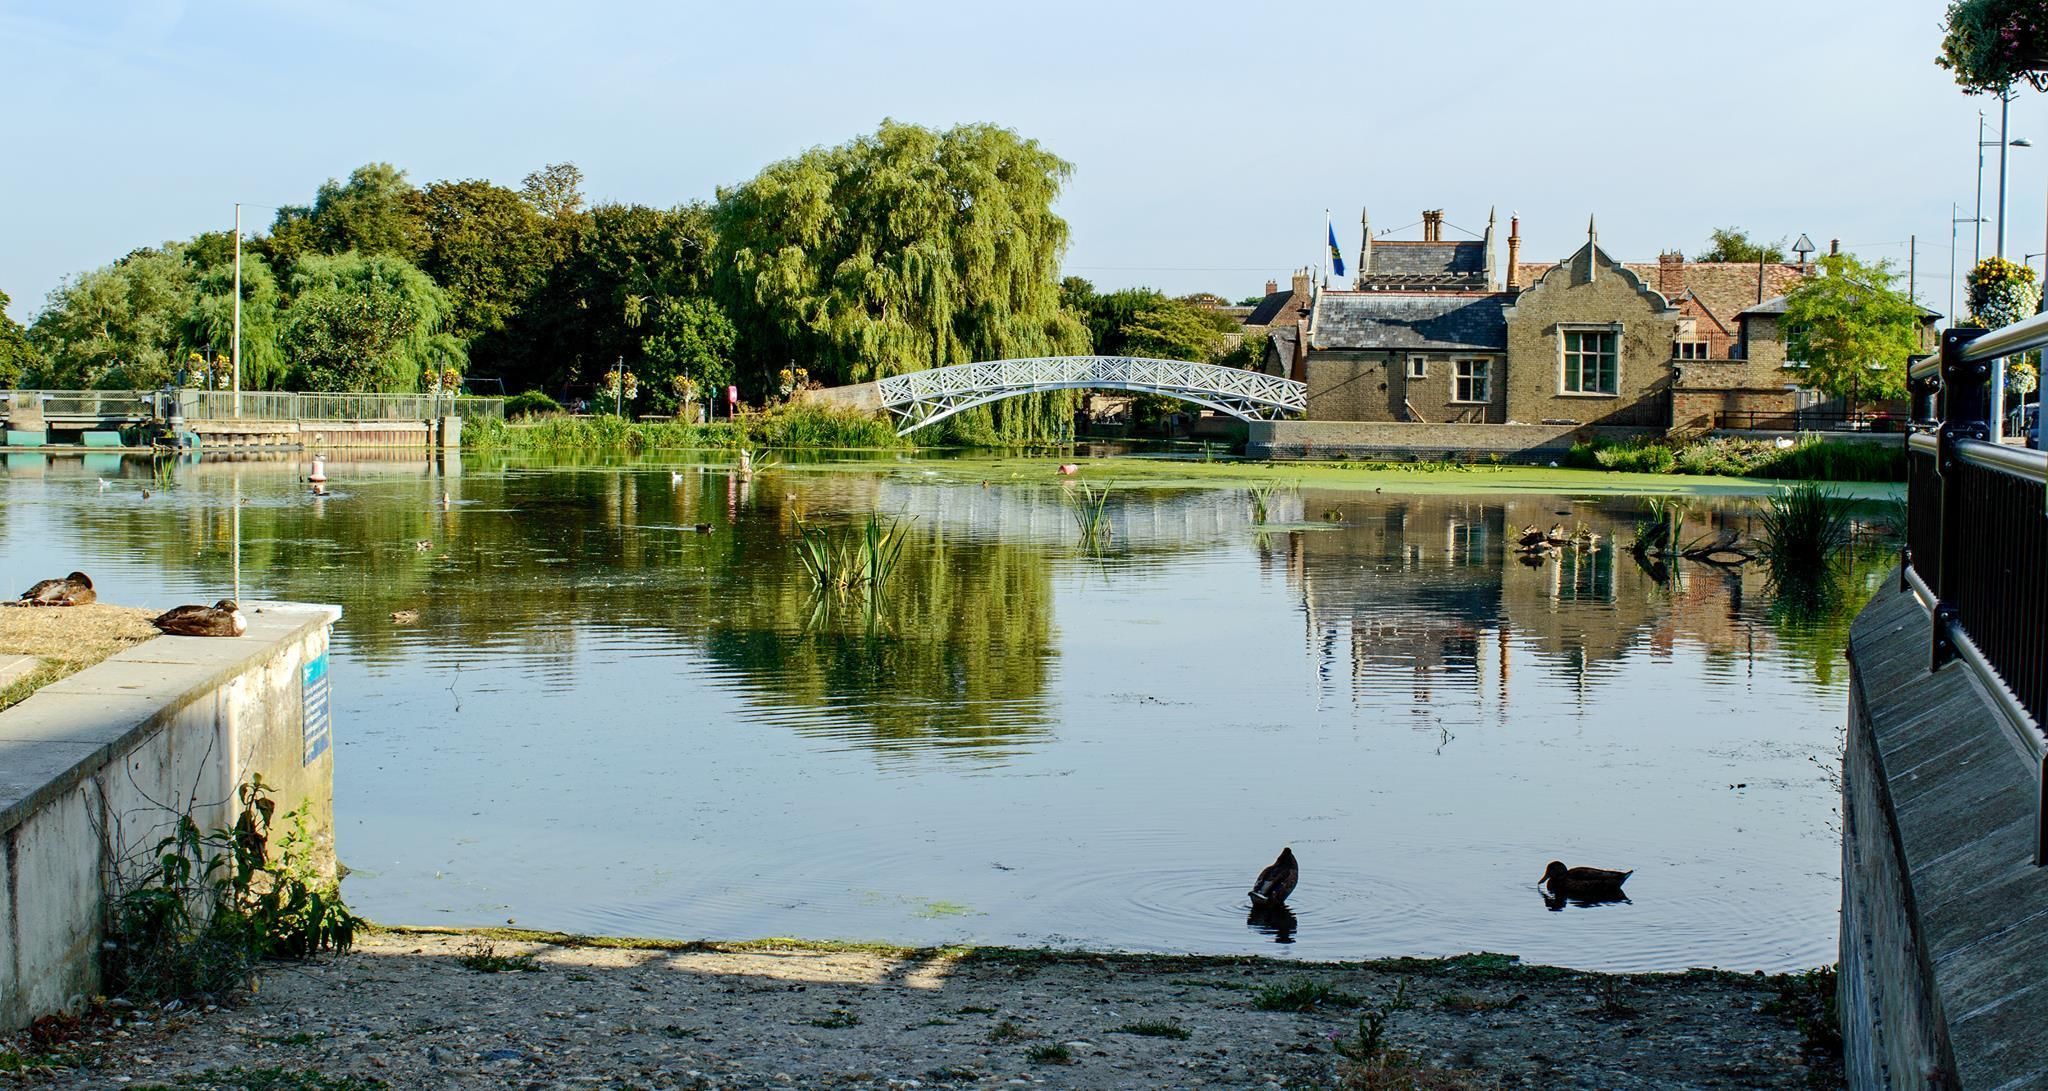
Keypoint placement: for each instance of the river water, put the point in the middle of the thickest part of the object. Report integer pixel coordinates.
(623, 710)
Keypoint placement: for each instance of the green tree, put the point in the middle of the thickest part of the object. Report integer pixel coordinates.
(370, 323)
(375, 212)
(487, 248)
(899, 251)
(117, 326)
(1734, 244)
(209, 325)
(554, 191)
(1852, 329)
(18, 358)
(1992, 44)
(691, 338)
(1174, 329)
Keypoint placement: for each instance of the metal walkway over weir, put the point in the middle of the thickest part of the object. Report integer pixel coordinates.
(927, 397)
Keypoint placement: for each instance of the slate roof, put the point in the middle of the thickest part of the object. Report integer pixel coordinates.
(1776, 305)
(1402, 259)
(1412, 321)
(1270, 309)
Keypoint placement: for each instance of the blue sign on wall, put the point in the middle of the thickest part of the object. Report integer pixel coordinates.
(319, 723)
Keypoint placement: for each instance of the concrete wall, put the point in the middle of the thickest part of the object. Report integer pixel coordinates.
(1590, 290)
(862, 396)
(1291, 439)
(94, 768)
(1944, 971)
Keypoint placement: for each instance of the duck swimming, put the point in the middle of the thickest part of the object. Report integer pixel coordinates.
(1583, 881)
(72, 590)
(1278, 880)
(223, 618)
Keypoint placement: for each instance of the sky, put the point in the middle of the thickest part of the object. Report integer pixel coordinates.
(1207, 139)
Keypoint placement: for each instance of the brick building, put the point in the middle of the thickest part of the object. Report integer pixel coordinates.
(1429, 332)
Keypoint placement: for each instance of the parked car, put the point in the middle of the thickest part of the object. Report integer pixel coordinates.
(2025, 420)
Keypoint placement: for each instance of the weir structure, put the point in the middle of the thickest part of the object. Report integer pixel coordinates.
(926, 397)
(1944, 948)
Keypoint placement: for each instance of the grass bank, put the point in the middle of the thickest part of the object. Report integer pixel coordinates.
(1810, 458)
(65, 641)
(790, 426)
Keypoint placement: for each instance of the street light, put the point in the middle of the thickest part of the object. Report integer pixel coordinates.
(2002, 143)
(1955, 219)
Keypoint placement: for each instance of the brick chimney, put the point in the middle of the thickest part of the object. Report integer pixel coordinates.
(1514, 253)
(1834, 246)
(1432, 225)
(1671, 274)
(1302, 281)
(1272, 286)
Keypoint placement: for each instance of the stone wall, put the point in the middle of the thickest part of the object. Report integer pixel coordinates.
(864, 396)
(92, 766)
(1375, 386)
(1590, 290)
(1944, 956)
(1295, 439)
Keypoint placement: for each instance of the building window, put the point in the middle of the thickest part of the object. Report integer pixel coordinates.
(1589, 362)
(1472, 382)
(1692, 350)
(1418, 367)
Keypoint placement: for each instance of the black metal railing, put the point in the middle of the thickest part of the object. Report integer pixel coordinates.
(1977, 534)
(1807, 420)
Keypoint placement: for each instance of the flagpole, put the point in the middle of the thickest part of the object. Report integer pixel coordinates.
(1328, 227)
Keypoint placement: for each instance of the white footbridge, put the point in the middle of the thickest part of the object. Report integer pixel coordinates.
(927, 397)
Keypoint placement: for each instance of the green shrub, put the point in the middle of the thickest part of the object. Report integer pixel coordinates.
(531, 403)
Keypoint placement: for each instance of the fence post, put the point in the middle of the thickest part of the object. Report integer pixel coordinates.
(1965, 408)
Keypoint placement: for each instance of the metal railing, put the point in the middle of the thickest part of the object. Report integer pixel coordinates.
(142, 405)
(1977, 534)
(1807, 420)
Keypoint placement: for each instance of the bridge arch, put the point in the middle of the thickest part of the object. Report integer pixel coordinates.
(920, 398)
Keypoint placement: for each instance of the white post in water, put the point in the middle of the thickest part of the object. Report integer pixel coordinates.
(235, 351)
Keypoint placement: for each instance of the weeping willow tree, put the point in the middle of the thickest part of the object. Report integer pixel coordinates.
(903, 250)
(370, 323)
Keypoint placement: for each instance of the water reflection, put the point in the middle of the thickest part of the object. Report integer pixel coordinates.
(1273, 919)
(621, 709)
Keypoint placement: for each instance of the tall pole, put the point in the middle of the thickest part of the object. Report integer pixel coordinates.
(235, 352)
(2004, 108)
(1977, 232)
(1913, 268)
(1953, 220)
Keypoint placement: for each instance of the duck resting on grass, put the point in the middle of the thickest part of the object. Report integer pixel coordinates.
(1583, 881)
(72, 590)
(223, 618)
(1276, 882)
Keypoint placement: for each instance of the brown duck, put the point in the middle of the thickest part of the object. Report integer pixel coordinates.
(223, 618)
(1581, 881)
(72, 590)
(1276, 882)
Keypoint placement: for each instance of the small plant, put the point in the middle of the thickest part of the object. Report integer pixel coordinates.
(1300, 994)
(1262, 497)
(1006, 1031)
(1805, 528)
(972, 1009)
(214, 905)
(1807, 1002)
(1373, 1021)
(482, 956)
(836, 1019)
(857, 560)
(1052, 1053)
(1612, 999)
(1090, 508)
(1154, 1028)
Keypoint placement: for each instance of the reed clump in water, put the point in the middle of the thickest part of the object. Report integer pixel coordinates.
(1806, 528)
(856, 560)
(1090, 506)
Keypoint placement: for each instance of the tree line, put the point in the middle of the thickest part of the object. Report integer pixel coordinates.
(902, 249)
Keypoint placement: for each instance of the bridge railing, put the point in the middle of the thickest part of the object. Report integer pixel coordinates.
(256, 405)
(1977, 533)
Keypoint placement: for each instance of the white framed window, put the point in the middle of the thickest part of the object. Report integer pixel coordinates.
(1418, 367)
(1591, 362)
(1473, 381)
(1692, 350)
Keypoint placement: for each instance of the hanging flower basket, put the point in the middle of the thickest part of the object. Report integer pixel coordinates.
(1993, 44)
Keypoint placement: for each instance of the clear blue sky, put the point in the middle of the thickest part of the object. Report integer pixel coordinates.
(1206, 138)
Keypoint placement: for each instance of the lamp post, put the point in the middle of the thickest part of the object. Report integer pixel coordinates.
(1954, 221)
(2002, 143)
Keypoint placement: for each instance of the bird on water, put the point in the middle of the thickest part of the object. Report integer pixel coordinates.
(1581, 881)
(223, 618)
(1278, 880)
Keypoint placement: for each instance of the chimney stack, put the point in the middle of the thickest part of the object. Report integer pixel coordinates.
(1514, 252)
(1834, 246)
(1272, 286)
(1671, 274)
(1302, 280)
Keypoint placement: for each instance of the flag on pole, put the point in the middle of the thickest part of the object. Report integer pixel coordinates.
(1336, 255)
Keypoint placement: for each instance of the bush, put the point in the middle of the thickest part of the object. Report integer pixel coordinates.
(531, 403)
(811, 426)
(1809, 459)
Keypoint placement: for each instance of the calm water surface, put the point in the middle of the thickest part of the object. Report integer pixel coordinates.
(609, 721)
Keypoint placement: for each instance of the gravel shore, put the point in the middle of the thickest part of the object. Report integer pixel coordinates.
(417, 1009)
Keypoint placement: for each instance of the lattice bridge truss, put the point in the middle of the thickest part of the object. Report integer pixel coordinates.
(927, 397)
